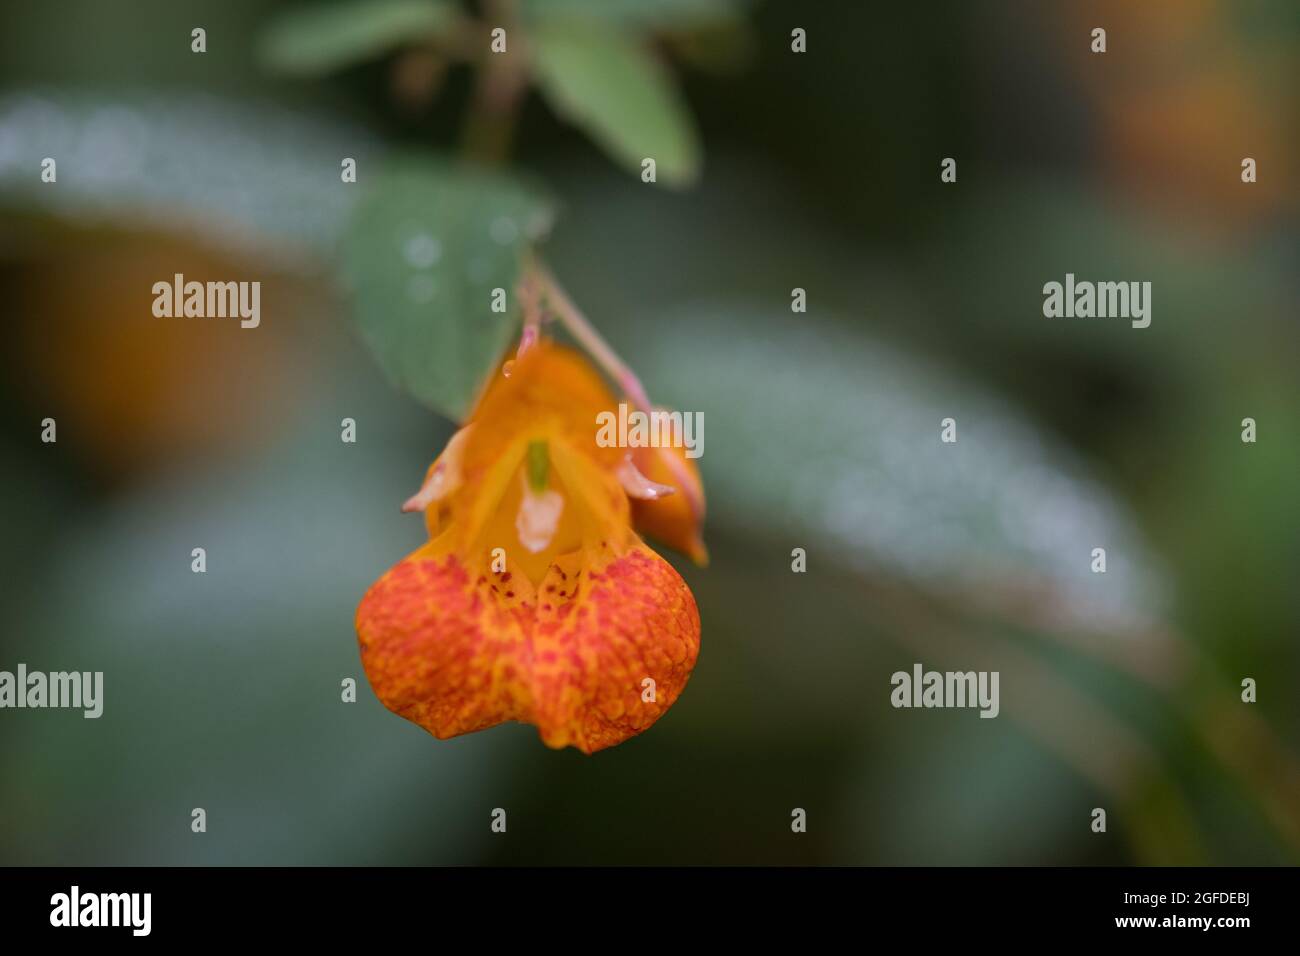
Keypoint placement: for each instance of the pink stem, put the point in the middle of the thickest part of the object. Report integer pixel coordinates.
(617, 369)
(592, 340)
(530, 297)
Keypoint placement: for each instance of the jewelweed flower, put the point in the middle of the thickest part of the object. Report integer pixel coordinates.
(534, 599)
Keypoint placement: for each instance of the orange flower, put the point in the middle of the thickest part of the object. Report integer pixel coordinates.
(534, 600)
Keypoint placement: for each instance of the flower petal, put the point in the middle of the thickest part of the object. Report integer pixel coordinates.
(628, 620)
(456, 653)
(590, 635)
(672, 519)
(439, 650)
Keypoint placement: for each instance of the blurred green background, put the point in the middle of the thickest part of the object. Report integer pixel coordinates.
(820, 171)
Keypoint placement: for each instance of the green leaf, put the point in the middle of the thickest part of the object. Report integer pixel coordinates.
(605, 81)
(155, 168)
(427, 245)
(651, 14)
(310, 41)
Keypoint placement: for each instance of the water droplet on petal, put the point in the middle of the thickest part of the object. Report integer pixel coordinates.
(508, 367)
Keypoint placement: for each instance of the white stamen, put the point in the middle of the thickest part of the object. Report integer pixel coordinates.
(638, 485)
(445, 476)
(538, 517)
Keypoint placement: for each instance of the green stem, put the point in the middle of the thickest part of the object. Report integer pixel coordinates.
(502, 79)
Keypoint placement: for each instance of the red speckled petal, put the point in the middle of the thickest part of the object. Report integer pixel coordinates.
(457, 653)
(437, 648)
(627, 619)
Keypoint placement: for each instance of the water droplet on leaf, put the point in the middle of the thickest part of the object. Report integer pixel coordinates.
(422, 250)
(504, 230)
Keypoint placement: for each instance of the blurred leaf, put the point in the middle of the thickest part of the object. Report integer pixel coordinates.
(606, 82)
(426, 247)
(835, 439)
(309, 41)
(676, 14)
(146, 161)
